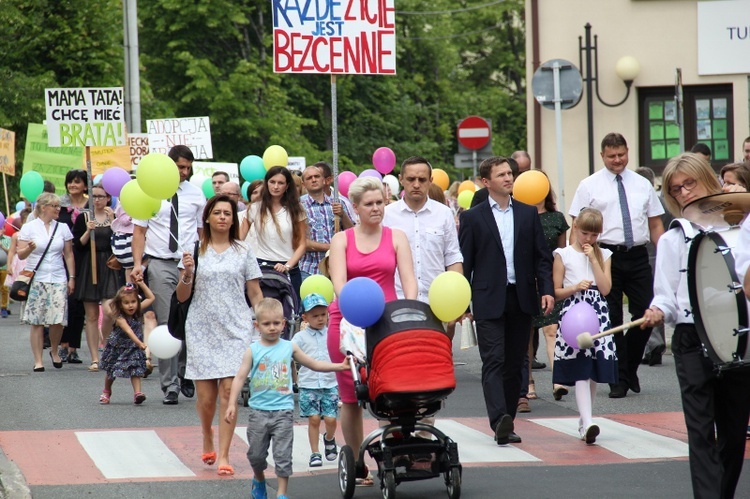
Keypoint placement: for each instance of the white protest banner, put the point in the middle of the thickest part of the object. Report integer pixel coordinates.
(79, 117)
(334, 36)
(192, 132)
(296, 163)
(207, 169)
(138, 143)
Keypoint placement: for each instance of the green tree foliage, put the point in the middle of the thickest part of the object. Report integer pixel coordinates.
(53, 43)
(454, 59)
(214, 58)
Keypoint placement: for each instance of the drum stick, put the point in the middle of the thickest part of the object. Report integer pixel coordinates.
(585, 340)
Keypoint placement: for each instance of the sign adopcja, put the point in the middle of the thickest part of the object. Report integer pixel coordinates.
(192, 132)
(334, 36)
(79, 117)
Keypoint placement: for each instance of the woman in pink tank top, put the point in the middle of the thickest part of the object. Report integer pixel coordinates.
(367, 250)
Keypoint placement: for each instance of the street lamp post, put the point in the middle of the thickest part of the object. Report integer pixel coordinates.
(627, 69)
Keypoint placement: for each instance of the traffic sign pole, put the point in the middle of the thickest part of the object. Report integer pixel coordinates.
(558, 133)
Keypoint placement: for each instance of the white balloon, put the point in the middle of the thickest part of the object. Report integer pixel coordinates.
(392, 183)
(162, 344)
(197, 180)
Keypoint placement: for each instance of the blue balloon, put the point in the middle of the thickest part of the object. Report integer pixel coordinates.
(20, 205)
(362, 301)
(244, 188)
(252, 168)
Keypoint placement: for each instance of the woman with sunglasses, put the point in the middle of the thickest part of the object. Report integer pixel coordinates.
(716, 407)
(98, 224)
(47, 246)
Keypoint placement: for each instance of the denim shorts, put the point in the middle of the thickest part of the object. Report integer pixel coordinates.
(319, 402)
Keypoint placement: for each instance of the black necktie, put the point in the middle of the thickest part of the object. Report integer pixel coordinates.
(173, 228)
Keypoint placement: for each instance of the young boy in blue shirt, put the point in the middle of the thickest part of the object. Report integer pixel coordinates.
(268, 364)
(318, 392)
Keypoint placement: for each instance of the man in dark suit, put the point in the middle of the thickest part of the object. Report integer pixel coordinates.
(506, 260)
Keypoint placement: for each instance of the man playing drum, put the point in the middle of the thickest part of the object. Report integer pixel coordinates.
(716, 405)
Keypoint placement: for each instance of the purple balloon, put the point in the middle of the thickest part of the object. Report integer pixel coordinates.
(371, 172)
(114, 179)
(580, 318)
(2, 219)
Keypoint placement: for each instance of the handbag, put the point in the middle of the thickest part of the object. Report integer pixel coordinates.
(178, 310)
(20, 289)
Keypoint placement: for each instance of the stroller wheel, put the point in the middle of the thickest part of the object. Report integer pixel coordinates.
(388, 484)
(347, 473)
(453, 482)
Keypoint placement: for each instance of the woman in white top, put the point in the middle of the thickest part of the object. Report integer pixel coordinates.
(48, 296)
(277, 225)
(716, 407)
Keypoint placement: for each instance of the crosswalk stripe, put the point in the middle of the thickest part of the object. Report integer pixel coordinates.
(131, 454)
(477, 447)
(627, 441)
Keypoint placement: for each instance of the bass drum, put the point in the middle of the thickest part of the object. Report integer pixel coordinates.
(720, 308)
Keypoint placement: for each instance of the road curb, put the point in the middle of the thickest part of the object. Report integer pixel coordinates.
(12, 483)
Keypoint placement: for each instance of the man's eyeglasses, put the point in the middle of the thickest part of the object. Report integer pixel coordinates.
(688, 185)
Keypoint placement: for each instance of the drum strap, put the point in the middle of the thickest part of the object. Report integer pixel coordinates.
(687, 228)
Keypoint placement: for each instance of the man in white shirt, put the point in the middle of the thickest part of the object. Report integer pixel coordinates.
(154, 238)
(428, 224)
(632, 216)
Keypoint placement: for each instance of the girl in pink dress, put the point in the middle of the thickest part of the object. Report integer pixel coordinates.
(366, 250)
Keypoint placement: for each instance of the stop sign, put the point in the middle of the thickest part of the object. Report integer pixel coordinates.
(473, 132)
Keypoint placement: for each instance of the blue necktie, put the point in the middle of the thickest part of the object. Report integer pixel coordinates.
(627, 225)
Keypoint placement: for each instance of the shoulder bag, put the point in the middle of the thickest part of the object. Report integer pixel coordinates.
(178, 310)
(21, 286)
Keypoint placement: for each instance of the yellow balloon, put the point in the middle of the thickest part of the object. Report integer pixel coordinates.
(317, 284)
(440, 178)
(158, 175)
(465, 198)
(449, 296)
(467, 185)
(275, 156)
(137, 203)
(531, 187)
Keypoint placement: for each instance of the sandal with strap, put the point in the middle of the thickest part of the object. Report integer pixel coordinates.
(139, 398)
(104, 397)
(531, 395)
(94, 367)
(367, 481)
(149, 368)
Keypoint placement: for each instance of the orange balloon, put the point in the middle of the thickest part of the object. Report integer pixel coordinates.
(467, 185)
(531, 187)
(440, 178)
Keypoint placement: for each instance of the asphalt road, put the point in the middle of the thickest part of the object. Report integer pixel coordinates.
(67, 399)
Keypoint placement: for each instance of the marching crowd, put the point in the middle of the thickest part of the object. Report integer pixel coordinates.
(114, 277)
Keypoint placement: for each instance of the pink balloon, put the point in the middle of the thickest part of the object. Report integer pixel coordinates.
(383, 159)
(345, 180)
(371, 173)
(114, 179)
(580, 318)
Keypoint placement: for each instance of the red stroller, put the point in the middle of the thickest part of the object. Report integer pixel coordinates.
(407, 375)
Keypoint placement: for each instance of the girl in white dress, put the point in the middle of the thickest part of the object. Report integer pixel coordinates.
(581, 272)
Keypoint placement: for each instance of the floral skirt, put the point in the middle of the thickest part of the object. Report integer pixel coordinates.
(47, 304)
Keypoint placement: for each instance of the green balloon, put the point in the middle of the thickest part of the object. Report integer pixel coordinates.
(158, 176)
(137, 203)
(32, 184)
(317, 284)
(208, 188)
